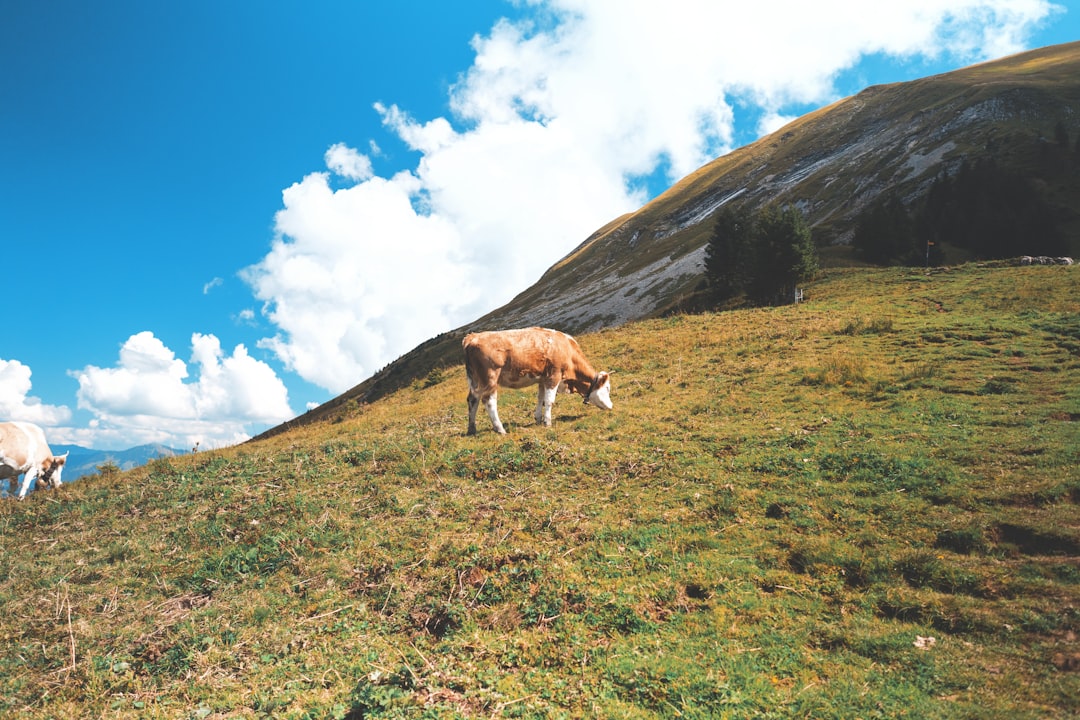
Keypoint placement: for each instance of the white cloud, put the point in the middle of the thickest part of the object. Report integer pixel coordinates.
(552, 129)
(354, 273)
(148, 396)
(17, 404)
(773, 121)
(348, 163)
(216, 282)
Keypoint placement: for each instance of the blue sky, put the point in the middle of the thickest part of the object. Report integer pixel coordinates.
(216, 215)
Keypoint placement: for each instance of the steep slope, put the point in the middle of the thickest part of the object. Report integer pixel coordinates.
(832, 163)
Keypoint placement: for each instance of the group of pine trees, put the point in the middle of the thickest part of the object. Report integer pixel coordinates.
(986, 208)
(761, 256)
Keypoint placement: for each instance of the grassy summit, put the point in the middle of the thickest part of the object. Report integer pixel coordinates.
(862, 506)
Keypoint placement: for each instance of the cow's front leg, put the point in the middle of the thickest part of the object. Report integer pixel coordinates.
(545, 398)
(27, 478)
(474, 403)
(492, 405)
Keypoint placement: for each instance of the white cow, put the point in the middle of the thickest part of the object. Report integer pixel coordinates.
(23, 451)
(529, 356)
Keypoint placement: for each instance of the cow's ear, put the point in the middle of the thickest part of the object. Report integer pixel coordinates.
(61, 459)
(602, 378)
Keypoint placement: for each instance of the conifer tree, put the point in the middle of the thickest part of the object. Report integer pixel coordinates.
(785, 254)
(764, 256)
(727, 255)
(885, 233)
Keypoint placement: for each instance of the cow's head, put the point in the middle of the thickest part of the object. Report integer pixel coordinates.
(51, 470)
(599, 393)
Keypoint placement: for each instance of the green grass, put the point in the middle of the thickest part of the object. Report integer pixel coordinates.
(782, 502)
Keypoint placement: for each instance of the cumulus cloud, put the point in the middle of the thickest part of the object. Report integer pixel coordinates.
(150, 397)
(16, 403)
(552, 131)
(352, 276)
(348, 163)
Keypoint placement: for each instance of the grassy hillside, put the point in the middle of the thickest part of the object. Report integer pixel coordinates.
(861, 506)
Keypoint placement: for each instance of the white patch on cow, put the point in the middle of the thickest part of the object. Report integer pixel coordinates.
(492, 406)
(544, 401)
(601, 396)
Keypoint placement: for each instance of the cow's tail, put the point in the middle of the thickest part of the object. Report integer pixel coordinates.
(470, 349)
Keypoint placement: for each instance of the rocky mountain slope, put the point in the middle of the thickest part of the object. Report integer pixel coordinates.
(834, 163)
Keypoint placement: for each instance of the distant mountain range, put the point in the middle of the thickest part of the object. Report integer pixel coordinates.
(85, 461)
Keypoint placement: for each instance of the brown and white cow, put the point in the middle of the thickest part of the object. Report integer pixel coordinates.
(524, 357)
(23, 451)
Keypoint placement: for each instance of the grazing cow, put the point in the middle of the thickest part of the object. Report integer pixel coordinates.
(23, 450)
(529, 356)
